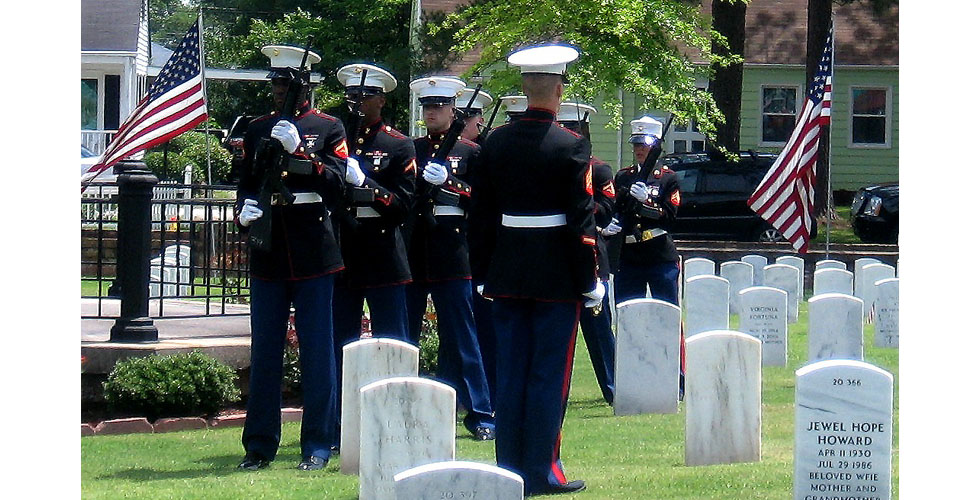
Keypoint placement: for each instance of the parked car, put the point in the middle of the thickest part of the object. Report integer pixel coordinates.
(102, 185)
(874, 213)
(714, 196)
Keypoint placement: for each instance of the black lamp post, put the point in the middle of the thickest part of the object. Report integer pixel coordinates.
(133, 250)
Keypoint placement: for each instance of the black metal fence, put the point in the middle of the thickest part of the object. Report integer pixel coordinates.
(200, 263)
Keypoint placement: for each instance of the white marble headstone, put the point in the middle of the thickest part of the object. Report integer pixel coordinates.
(458, 481)
(872, 273)
(705, 304)
(886, 313)
(759, 262)
(647, 372)
(833, 280)
(836, 328)
(843, 431)
(829, 264)
(785, 277)
(405, 422)
(859, 276)
(697, 266)
(723, 393)
(739, 276)
(763, 316)
(799, 264)
(611, 292)
(366, 361)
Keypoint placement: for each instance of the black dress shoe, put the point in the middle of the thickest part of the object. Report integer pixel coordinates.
(253, 461)
(569, 487)
(485, 433)
(312, 463)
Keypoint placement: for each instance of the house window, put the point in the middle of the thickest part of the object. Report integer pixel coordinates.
(686, 137)
(90, 104)
(778, 114)
(869, 116)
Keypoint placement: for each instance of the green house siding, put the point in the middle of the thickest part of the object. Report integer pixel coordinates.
(851, 166)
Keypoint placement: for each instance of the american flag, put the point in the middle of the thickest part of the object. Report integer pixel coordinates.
(784, 198)
(175, 103)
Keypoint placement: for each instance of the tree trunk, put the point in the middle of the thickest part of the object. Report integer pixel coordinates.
(818, 23)
(726, 87)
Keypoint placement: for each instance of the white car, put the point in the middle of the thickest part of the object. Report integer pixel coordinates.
(106, 177)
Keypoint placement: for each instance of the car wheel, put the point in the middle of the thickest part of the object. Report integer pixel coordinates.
(768, 235)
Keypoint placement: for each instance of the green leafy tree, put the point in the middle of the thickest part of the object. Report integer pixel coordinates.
(644, 47)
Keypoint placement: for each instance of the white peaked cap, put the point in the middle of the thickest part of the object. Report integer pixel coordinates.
(285, 56)
(482, 100)
(350, 76)
(544, 58)
(573, 112)
(647, 126)
(437, 86)
(514, 103)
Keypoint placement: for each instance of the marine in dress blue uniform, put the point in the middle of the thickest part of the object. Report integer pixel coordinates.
(597, 325)
(297, 270)
(380, 179)
(534, 248)
(648, 257)
(439, 256)
(482, 315)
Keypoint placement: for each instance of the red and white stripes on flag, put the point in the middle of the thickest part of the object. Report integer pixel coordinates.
(175, 103)
(784, 198)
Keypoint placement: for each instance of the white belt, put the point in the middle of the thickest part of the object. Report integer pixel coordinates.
(301, 198)
(363, 212)
(556, 220)
(649, 234)
(447, 210)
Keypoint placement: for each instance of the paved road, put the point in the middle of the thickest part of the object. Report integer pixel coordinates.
(169, 326)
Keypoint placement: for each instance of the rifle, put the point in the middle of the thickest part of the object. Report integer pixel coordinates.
(272, 161)
(436, 193)
(627, 207)
(357, 194)
(486, 129)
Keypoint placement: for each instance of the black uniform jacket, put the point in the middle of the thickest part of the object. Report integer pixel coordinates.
(373, 246)
(604, 193)
(303, 240)
(658, 211)
(533, 167)
(438, 248)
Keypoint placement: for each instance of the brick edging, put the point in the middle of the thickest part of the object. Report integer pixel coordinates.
(142, 425)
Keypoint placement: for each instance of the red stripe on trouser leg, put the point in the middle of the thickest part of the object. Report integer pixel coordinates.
(566, 384)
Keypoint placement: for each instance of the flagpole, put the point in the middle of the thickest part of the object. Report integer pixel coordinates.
(830, 194)
(204, 90)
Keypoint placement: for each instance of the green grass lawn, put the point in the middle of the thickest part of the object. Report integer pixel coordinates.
(632, 457)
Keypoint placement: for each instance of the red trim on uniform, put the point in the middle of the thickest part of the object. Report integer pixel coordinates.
(588, 180)
(588, 240)
(675, 198)
(609, 190)
(411, 166)
(566, 383)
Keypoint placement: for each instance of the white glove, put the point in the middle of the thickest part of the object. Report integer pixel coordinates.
(479, 289)
(354, 174)
(287, 134)
(594, 297)
(250, 212)
(435, 173)
(612, 229)
(639, 191)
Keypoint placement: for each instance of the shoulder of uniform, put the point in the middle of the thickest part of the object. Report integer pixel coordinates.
(321, 114)
(392, 131)
(467, 142)
(574, 134)
(262, 118)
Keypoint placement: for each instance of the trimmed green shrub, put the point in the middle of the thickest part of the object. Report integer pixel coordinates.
(190, 148)
(176, 385)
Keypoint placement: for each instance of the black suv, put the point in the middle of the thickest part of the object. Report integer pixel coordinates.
(714, 196)
(874, 213)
